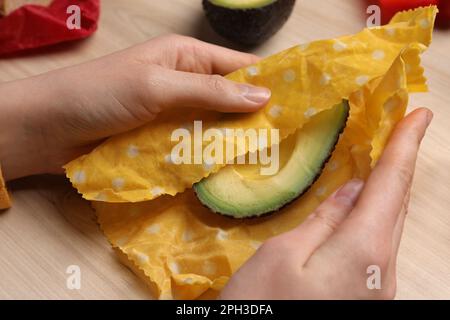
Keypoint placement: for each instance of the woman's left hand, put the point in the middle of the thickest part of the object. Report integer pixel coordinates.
(50, 119)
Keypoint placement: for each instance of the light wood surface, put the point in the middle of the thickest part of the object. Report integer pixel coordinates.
(50, 227)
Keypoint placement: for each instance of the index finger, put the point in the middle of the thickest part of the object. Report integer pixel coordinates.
(382, 199)
(224, 61)
(203, 57)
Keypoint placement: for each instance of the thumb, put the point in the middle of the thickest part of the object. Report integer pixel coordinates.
(327, 217)
(213, 92)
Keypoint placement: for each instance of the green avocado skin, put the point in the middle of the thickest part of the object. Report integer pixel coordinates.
(248, 27)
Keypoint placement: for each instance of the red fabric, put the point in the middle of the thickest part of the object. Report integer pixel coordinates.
(443, 18)
(390, 7)
(33, 26)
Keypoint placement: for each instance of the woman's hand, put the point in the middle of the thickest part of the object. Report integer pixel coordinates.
(359, 226)
(52, 118)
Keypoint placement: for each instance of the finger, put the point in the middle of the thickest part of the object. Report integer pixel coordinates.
(199, 56)
(382, 198)
(223, 60)
(213, 92)
(321, 224)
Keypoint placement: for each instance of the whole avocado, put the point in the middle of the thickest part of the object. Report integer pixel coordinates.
(248, 22)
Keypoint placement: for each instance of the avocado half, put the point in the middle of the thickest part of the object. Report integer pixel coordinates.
(239, 191)
(248, 22)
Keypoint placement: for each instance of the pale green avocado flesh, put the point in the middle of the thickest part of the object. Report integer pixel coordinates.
(239, 191)
(241, 4)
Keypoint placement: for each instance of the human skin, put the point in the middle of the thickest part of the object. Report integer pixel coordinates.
(50, 119)
(360, 225)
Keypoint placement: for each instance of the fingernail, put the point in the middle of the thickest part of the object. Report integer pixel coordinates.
(254, 94)
(349, 192)
(430, 116)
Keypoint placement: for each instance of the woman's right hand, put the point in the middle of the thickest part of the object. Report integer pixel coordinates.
(354, 233)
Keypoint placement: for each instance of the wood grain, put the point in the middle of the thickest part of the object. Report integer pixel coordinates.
(50, 227)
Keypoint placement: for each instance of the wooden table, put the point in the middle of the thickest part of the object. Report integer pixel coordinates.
(50, 227)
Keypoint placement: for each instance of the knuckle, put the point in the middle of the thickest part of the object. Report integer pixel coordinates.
(216, 83)
(149, 77)
(405, 174)
(148, 82)
(416, 133)
(325, 219)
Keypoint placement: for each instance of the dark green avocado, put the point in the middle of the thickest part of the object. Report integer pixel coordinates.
(239, 191)
(248, 22)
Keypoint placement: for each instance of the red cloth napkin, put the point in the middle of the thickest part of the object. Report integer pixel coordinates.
(33, 26)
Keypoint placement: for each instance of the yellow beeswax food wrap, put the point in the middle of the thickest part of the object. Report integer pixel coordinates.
(183, 250)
